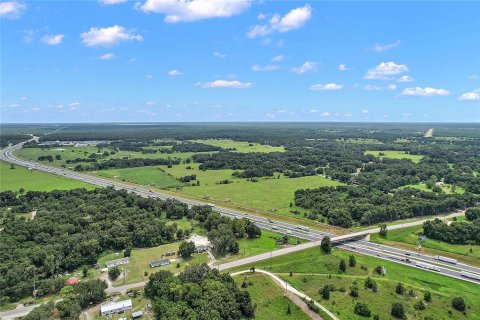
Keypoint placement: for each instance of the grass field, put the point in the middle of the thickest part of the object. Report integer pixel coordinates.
(312, 262)
(267, 194)
(393, 154)
(20, 177)
(149, 176)
(269, 299)
(360, 141)
(447, 188)
(241, 146)
(408, 239)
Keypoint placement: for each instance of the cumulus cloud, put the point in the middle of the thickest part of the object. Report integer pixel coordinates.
(405, 78)
(307, 66)
(268, 67)
(342, 67)
(279, 58)
(52, 40)
(326, 87)
(470, 96)
(11, 9)
(425, 92)
(111, 2)
(325, 114)
(108, 36)
(384, 47)
(219, 54)
(365, 111)
(187, 11)
(294, 19)
(370, 87)
(107, 56)
(174, 72)
(225, 84)
(74, 105)
(385, 71)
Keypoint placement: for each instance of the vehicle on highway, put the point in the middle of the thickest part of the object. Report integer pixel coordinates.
(270, 220)
(307, 229)
(445, 259)
(289, 232)
(274, 228)
(427, 266)
(470, 275)
(211, 205)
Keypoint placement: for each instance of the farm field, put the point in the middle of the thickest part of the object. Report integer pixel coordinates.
(267, 194)
(241, 146)
(20, 177)
(312, 262)
(269, 298)
(148, 176)
(408, 239)
(447, 188)
(393, 154)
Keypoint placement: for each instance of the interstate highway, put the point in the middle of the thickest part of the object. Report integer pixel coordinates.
(364, 247)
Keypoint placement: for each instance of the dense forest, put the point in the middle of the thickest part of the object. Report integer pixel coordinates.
(342, 205)
(198, 293)
(72, 228)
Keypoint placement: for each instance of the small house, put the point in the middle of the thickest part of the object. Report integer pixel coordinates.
(170, 253)
(118, 262)
(137, 314)
(159, 263)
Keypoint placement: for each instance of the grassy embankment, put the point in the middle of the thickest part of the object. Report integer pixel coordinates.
(407, 238)
(269, 298)
(312, 271)
(20, 177)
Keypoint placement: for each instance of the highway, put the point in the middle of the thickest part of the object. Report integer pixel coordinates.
(314, 236)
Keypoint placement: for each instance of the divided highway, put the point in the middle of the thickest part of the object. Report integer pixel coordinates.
(360, 246)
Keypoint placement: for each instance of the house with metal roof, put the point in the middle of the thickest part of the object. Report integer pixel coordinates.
(118, 262)
(159, 263)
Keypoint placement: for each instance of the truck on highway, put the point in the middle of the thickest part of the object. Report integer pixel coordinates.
(307, 229)
(445, 259)
(211, 205)
(470, 275)
(427, 266)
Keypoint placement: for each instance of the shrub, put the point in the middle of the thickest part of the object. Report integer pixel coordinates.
(352, 262)
(458, 303)
(362, 310)
(397, 311)
(427, 296)
(400, 288)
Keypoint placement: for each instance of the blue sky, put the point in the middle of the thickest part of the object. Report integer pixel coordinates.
(232, 60)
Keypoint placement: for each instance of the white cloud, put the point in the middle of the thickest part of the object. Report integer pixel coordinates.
(294, 19)
(174, 72)
(469, 96)
(108, 36)
(11, 9)
(313, 110)
(325, 114)
(59, 106)
(23, 98)
(385, 71)
(306, 67)
(365, 111)
(342, 67)
(35, 109)
(279, 58)
(405, 78)
(370, 87)
(219, 54)
(149, 76)
(52, 40)
(107, 56)
(326, 87)
(268, 67)
(225, 84)
(384, 47)
(74, 105)
(261, 16)
(186, 10)
(348, 115)
(150, 103)
(473, 77)
(425, 92)
(111, 2)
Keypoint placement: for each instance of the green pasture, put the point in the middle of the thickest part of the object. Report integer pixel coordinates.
(241, 146)
(393, 154)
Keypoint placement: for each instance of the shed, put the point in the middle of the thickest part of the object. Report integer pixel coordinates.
(137, 314)
(115, 307)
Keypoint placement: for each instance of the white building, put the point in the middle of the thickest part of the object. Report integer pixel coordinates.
(118, 262)
(115, 307)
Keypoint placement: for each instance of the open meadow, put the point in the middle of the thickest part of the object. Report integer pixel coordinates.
(393, 154)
